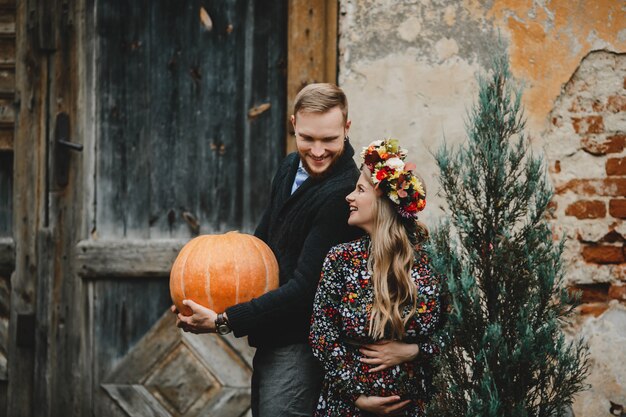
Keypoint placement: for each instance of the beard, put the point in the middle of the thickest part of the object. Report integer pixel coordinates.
(324, 173)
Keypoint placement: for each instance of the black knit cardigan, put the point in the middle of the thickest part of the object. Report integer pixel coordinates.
(300, 229)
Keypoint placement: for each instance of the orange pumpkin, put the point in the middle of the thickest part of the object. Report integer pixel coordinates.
(218, 271)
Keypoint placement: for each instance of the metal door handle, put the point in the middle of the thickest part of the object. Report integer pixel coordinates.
(63, 146)
(70, 145)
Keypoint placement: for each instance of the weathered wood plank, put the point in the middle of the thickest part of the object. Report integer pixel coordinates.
(7, 82)
(179, 150)
(7, 21)
(30, 162)
(7, 50)
(6, 139)
(126, 258)
(45, 358)
(312, 46)
(267, 58)
(194, 150)
(5, 308)
(7, 112)
(223, 362)
(190, 375)
(61, 361)
(129, 308)
(136, 400)
(232, 402)
(6, 200)
(7, 255)
(124, 89)
(7, 4)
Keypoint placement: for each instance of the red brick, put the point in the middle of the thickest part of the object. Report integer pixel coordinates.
(616, 104)
(616, 166)
(602, 187)
(602, 146)
(603, 254)
(616, 143)
(617, 292)
(586, 209)
(591, 293)
(595, 309)
(617, 208)
(612, 237)
(588, 124)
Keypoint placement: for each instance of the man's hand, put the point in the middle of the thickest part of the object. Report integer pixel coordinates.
(387, 353)
(381, 406)
(202, 319)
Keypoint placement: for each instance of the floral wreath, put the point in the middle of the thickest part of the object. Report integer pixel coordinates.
(385, 160)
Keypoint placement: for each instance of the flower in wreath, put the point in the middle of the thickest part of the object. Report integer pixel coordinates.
(393, 176)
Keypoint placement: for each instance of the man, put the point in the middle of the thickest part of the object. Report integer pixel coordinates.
(307, 214)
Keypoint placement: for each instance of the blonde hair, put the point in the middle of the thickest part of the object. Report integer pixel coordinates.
(320, 98)
(391, 260)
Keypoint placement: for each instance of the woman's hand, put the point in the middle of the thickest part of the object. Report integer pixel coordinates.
(381, 406)
(387, 353)
(202, 319)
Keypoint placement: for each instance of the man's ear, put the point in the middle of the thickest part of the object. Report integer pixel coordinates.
(293, 121)
(347, 127)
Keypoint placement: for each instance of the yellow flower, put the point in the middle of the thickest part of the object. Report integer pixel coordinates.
(417, 185)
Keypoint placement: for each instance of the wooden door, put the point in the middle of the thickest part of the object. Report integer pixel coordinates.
(179, 109)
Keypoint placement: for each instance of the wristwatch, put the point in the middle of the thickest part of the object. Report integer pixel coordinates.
(221, 324)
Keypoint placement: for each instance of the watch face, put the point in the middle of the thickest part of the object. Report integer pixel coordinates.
(223, 329)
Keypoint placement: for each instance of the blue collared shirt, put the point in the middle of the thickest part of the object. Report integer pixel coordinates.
(301, 176)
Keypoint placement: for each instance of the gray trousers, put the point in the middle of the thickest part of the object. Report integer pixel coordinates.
(286, 381)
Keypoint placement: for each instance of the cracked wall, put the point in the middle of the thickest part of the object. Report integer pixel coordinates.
(409, 70)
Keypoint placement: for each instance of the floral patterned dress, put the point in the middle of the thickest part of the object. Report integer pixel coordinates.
(339, 327)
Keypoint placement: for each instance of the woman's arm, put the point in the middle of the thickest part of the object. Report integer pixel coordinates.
(388, 353)
(326, 330)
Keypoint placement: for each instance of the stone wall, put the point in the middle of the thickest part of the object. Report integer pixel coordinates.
(409, 68)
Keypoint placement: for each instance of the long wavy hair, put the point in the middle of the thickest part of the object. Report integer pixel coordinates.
(392, 253)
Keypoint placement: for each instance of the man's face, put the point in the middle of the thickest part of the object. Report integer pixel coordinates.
(320, 139)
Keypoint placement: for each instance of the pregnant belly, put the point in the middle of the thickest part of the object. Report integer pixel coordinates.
(398, 380)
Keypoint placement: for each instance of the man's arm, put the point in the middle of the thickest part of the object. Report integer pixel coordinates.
(296, 295)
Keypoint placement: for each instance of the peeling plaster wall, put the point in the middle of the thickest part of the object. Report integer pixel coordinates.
(409, 68)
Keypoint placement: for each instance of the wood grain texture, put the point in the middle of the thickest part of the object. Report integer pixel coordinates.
(7, 255)
(129, 308)
(126, 258)
(6, 199)
(6, 139)
(7, 81)
(312, 49)
(181, 374)
(29, 169)
(176, 148)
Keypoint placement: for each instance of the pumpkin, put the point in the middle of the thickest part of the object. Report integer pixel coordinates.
(218, 271)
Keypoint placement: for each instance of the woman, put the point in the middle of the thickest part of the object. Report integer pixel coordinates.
(378, 304)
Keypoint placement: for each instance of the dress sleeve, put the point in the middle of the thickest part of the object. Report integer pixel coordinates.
(326, 325)
(433, 318)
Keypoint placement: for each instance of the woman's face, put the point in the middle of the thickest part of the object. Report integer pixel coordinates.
(362, 204)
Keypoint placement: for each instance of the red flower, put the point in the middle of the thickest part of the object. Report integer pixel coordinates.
(383, 173)
(371, 158)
